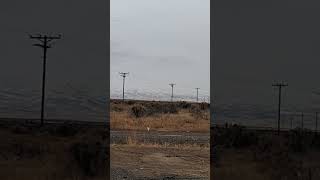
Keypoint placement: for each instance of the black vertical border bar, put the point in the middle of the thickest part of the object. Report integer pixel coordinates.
(212, 59)
(108, 91)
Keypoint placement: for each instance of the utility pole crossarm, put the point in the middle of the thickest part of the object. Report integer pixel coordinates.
(124, 75)
(280, 84)
(39, 36)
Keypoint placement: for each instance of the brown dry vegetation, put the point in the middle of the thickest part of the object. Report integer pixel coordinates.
(62, 152)
(160, 160)
(160, 116)
(239, 153)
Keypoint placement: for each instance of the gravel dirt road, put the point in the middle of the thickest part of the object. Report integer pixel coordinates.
(186, 157)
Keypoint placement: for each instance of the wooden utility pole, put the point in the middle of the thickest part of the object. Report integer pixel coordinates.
(279, 85)
(316, 122)
(301, 120)
(172, 90)
(44, 44)
(124, 75)
(197, 94)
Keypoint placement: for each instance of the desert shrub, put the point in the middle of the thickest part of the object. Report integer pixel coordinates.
(196, 111)
(300, 140)
(184, 105)
(170, 108)
(161, 108)
(66, 129)
(20, 129)
(113, 101)
(90, 158)
(216, 159)
(234, 136)
(199, 111)
(245, 139)
(269, 146)
(116, 108)
(204, 106)
(27, 149)
(138, 111)
(316, 141)
(131, 102)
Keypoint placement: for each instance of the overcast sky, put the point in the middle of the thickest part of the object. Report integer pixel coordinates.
(159, 42)
(76, 63)
(261, 42)
(79, 58)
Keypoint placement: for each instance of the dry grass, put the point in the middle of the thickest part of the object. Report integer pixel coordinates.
(240, 153)
(46, 154)
(184, 120)
(238, 165)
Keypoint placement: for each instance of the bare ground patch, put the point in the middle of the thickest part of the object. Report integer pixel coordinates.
(153, 161)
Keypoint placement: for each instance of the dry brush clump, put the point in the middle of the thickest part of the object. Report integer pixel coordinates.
(279, 156)
(90, 157)
(161, 108)
(117, 108)
(54, 152)
(234, 136)
(138, 111)
(199, 112)
(204, 106)
(151, 109)
(176, 116)
(184, 105)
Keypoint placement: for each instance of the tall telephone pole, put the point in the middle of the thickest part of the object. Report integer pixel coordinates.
(197, 94)
(316, 122)
(124, 75)
(44, 44)
(301, 120)
(279, 85)
(172, 90)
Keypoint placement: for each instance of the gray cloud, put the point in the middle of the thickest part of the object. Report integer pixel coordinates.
(159, 42)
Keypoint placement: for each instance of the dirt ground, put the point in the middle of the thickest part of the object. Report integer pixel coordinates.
(157, 162)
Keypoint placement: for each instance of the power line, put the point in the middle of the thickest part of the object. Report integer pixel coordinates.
(44, 44)
(124, 75)
(279, 85)
(172, 90)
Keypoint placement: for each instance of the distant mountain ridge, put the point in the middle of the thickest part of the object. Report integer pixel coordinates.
(85, 105)
(62, 104)
(157, 95)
